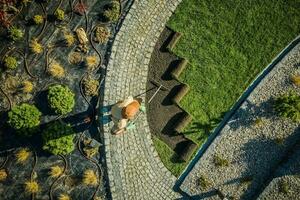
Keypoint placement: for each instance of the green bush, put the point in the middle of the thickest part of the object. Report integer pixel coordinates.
(15, 33)
(59, 14)
(288, 106)
(113, 12)
(10, 62)
(24, 118)
(58, 138)
(61, 99)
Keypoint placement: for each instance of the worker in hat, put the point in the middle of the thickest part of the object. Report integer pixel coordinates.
(122, 112)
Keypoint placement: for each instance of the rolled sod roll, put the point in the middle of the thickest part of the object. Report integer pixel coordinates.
(178, 69)
(188, 151)
(174, 40)
(183, 90)
(183, 121)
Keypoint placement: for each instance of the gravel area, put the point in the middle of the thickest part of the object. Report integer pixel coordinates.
(251, 144)
(286, 176)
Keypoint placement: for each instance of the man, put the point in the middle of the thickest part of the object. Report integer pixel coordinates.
(122, 112)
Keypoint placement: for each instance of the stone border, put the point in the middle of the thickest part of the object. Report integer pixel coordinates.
(134, 168)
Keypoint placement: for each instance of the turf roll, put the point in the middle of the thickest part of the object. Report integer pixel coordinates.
(178, 69)
(175, 38)
(188, 150)
(182, 91)
(183, 121)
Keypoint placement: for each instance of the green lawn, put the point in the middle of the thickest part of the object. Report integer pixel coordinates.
(227, 42)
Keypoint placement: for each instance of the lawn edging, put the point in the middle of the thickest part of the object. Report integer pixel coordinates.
(233, 109)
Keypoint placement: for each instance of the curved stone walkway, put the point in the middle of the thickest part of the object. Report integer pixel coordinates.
(134, 168)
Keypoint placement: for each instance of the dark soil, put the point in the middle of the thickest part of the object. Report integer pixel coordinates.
(163, 115)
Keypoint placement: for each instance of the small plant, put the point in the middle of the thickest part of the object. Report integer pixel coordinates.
(80, 8)
(203, 182)
(4, 19)
(75, 58)
(112, 13)
(258, 122)
(56, 70)
(10, 62)
(15, 33)
(24, 118)
(64, 197)
(283, 187)
(59, 14)
(38, 19)
(288, 106)
(296, 80)
(91, 62)
(27, 86)
(56, 171)
(61, 99)
(90, 86)
(22, 155)
(3, 174)
(58, 138)
(90, 178)
(102, 34)
(31, 187)
(220, 162)
(69, 39)
(35, 46)
(90, 152)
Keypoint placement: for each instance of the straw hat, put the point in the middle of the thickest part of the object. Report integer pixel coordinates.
(130, 110)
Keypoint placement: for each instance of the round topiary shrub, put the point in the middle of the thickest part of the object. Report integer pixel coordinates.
(61, 99)
(24, 118)
(288, 106)
(10, 62)
(58, 138)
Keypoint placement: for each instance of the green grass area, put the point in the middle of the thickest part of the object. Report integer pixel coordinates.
(168, 157)
(227, 44)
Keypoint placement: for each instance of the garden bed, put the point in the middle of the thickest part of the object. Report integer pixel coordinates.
(51, 52)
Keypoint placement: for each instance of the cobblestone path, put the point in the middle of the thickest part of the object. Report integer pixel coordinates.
(134, 168)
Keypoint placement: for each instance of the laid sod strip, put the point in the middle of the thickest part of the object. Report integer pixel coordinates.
(173, 41)
(227, 44)
(175, 73)
(183, 121)
(188, 151)
(183, 90)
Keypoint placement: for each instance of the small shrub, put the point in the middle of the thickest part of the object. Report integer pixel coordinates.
(35, 46)
(61, 99)
(112, 13)
(31, 187)
(15, 33)
(258, 122)
(58, 138)
(56, 70)
(283, 187)
(56, 171)
(69, 39)
(27, 86)
(102, 34)
(24, 118)
(3, 174)
(90, 178)
(22, 155)
(38, 19)
(90, 152)
(64, 197)
(296, 80)
(203, 182)
(91, 62)
(75, 58)
(10, 62)
(288, 106)
(80, 8)
(220, 162)
(90, 86)
(59, 14)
